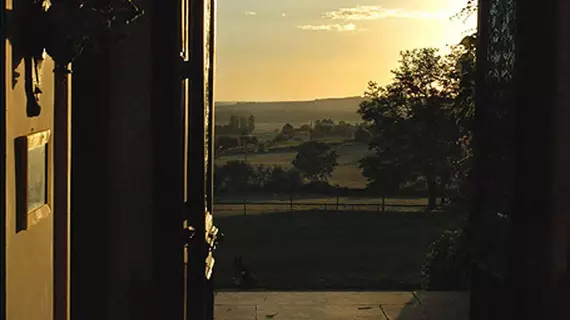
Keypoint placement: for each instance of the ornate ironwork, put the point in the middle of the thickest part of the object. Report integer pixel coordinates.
(497, 137)
(72, 26)
(63, 30)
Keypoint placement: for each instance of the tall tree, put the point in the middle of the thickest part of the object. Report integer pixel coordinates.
(316, 160)
(415, 131)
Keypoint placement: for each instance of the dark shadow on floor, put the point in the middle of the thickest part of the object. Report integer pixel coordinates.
(440, 305)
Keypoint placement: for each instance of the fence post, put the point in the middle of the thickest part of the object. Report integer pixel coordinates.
(377, 208)
(337, 203)
(291, 202)
(383, 204)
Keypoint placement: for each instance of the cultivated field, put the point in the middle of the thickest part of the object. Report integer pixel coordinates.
(346, 174)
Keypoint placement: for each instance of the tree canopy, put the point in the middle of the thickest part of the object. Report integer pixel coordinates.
(418, 120)
(316, 160)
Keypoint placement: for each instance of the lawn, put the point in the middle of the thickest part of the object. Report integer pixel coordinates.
(346, 174)
(320, 250)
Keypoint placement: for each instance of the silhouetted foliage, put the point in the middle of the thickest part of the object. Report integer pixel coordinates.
(281, 138)
(315, 160)
(305, 128)
(238, 177)
(261, 175)
(234, 176)
(420, 120)
(288, 130)
(388, 177)
(467, 11)
(363, 135)
(284, 180)
(447, 263)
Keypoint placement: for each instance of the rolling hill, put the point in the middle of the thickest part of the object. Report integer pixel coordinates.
(294, 112)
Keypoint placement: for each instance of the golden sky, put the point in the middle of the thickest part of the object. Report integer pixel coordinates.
(275, 50)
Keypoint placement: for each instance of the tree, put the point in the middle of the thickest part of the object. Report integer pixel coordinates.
(323, 127)
(383, 177)
(467, 11)
(234, 123)
(362, 135)
(315, 160)
(288, 130)
(250, 124)
(281, 138)
(261, 176)
(463, 73)
(285, 180)
(415, 130)
(243, 126)
(238, 175)
(343, 129)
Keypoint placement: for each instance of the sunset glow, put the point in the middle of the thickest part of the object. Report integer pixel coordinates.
(309, 49)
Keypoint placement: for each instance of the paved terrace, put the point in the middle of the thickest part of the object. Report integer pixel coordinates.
(417, 305)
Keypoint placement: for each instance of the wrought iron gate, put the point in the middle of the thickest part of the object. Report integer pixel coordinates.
(494, 153)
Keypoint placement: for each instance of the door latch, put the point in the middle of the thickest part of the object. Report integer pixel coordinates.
(185, 68)
(213, 237)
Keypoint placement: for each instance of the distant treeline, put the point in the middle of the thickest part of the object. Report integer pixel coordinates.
(238, 178)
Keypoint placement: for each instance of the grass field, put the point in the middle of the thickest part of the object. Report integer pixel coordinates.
(318, 250)
(346, 174)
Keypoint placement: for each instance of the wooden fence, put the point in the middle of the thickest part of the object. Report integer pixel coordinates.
(233, 208)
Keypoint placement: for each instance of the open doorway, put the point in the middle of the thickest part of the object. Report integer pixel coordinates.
(321, 187)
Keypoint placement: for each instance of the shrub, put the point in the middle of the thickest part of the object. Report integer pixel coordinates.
(281, 138)
(447, 264)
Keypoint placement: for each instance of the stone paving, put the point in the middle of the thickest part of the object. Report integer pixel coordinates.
(417, 305)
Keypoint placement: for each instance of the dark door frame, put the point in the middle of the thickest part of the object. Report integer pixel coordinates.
(3, 161)
(533, 133)
(182, 139)
(200, 121)
(168, 154)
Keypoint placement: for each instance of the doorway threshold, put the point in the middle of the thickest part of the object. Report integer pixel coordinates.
(329, 305)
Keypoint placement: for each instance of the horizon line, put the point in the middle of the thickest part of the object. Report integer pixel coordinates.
(292, 100)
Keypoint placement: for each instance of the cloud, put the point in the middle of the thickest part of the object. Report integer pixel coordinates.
(329, 27)
(250, 13)
(359, 13)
